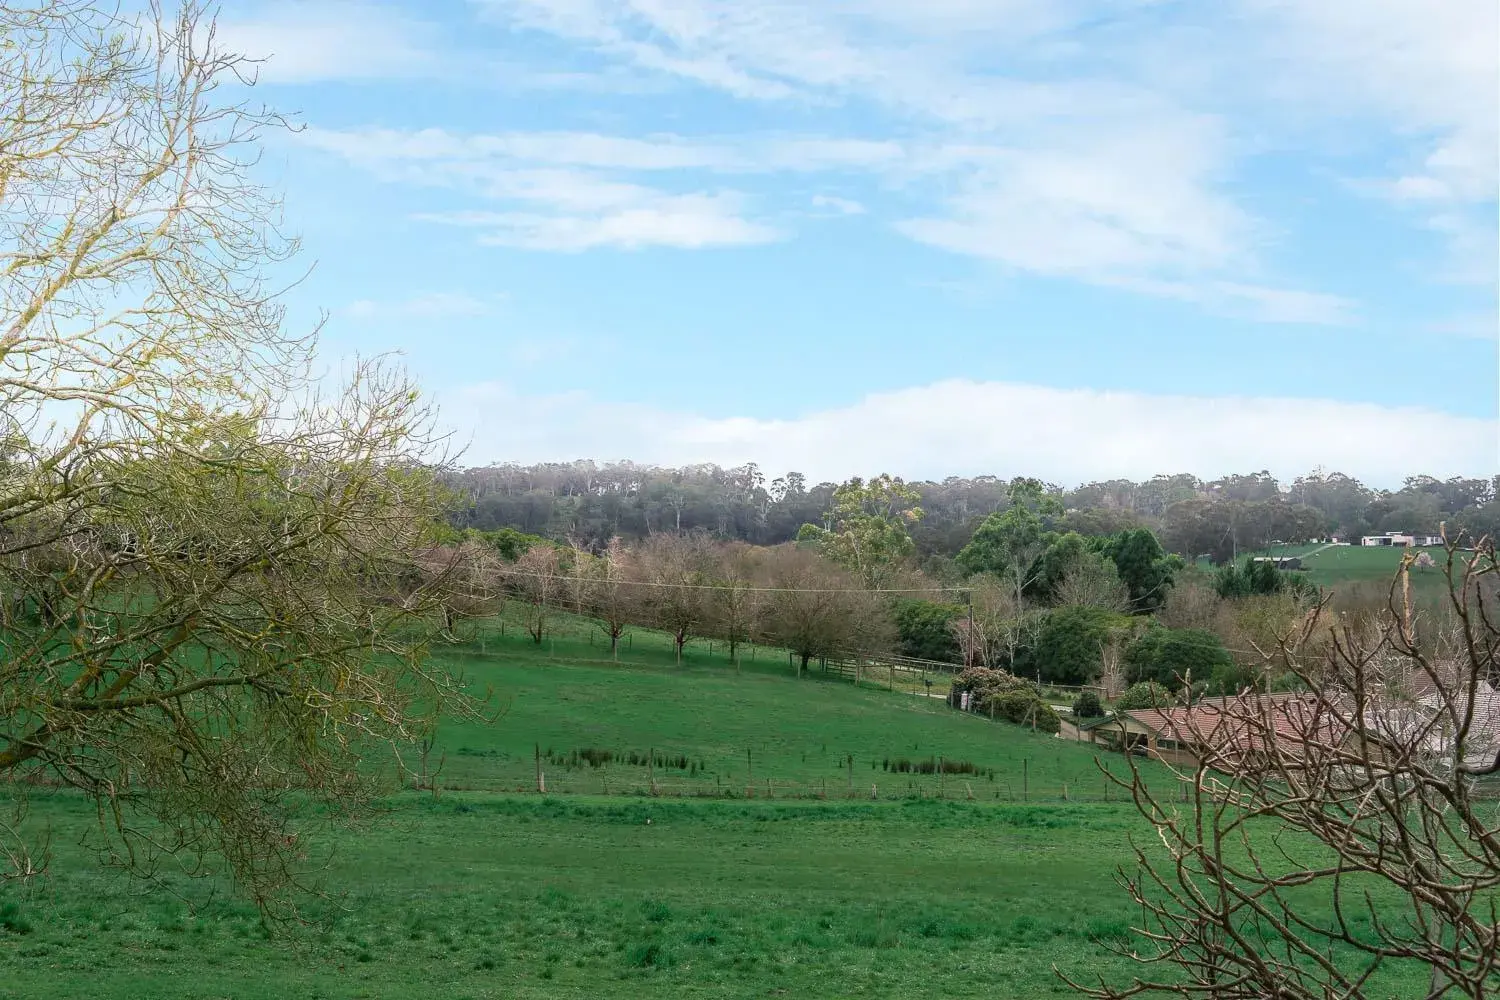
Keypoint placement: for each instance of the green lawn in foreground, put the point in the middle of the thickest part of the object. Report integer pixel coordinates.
(508, 897)
(472, 894)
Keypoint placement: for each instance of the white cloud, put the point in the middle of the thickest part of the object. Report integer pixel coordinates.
(833, 205)
(425, 305)
(1430, 74)
(1031, 155)
(555, 192)
(1099, 209)
(324, 40)
(628, 218)
(1473, 326)
(965, 428)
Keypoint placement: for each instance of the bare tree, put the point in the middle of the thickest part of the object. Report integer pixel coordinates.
(1092, 581)
(817, 610)
(1002, 627)
(605, 584)
(211, 606)
(674, 571)
(1111, 657)
(1337, 835)
(734, 601)
(538, 578)
(466, 580)
(1191, 603)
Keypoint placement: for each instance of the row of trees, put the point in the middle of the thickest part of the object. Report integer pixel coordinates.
(593, 502)
(688, 586)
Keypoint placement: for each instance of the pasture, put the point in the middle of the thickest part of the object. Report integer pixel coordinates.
(480, 891)
(1363, 574)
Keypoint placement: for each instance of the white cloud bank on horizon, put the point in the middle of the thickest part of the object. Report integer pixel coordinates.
(964, 428)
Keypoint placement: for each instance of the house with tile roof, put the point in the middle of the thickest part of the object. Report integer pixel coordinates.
(1186, 734)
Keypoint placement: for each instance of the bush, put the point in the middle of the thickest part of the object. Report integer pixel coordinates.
(510, 543)
(924, 629)
(1145, 695)
(1169, 655)
(1261, 579)
(983, 683)
(1021, 706)
(1087, 706)
(1067, 649)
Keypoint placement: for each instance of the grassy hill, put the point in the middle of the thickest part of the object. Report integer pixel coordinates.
(1364, 573)
(479, 893)
(799, 734)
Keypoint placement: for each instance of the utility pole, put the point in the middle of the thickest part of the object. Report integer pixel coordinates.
(969, 645)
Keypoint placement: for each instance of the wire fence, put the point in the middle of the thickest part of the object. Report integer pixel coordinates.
(658, 773)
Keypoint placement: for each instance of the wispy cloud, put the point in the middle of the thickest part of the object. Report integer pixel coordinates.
(1428, 72)
(1030, 155)
(829, 204)
(637, 218)
(325, 40)
(424, 305)
(1097, 208)
(1473, 326)
(560, 191)
(1088, 434)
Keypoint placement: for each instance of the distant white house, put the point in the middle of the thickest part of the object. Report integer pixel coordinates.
(1401, 538)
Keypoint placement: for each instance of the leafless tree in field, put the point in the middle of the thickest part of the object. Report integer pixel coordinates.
(819, 610)
(605, 586)
(735, 603)
(674, 571)
(537, 577)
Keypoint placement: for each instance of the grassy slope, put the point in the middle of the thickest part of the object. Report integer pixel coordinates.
(1365, 572)
(799, 733)
(473, 894)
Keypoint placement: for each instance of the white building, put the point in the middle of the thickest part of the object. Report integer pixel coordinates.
(1402, 538)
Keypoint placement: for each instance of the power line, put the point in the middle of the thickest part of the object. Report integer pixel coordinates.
(758, 590)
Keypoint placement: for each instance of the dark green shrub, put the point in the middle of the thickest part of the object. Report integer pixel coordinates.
(1169, 655)
(925, 631)
(13, 920)
(1087, 706)
(1067, 649)
(1023, 706)
(1145, 695)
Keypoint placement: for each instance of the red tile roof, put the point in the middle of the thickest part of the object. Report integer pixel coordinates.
(1241, 723)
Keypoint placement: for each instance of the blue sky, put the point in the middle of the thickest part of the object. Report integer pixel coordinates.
(1070, 239)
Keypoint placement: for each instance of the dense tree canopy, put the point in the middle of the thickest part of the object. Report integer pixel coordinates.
(594, 502)
(1170, 656)
(1069, 647)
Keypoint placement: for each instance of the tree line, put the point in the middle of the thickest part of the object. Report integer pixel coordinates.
(591, 503)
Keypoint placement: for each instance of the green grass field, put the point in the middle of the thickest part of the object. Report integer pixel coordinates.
(1358, 574)
(701, 892)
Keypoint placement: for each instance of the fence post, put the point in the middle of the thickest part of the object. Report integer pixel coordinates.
(1025, 779)
(849, 764)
